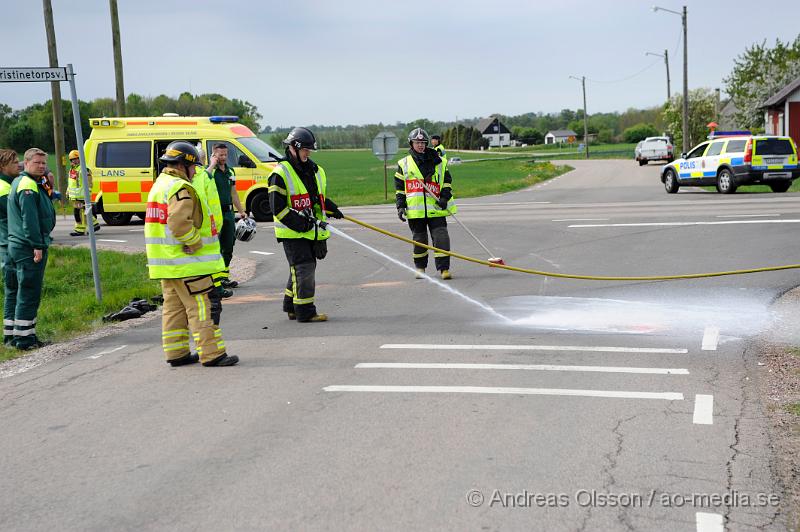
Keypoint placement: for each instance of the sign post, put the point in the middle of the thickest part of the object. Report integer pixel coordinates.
(34, 74)
(384, 147)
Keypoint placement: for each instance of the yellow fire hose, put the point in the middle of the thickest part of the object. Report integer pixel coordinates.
(569, 275)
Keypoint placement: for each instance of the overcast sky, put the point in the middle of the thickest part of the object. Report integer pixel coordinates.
(354, 62)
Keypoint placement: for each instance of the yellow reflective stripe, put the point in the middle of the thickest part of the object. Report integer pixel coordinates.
(190, 238)
(399, 193)
(298, 301)
(276, 188)
(175, 332)
(288, 292)
(420, 255)
(201, 308)
(176, 346)
(447, 185)
(294, 280)
(398, 175)
(283, 213)
(437, 254)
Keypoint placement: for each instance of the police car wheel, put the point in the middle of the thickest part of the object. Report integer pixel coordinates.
(725, 184)
(670, 181)
(259, 206)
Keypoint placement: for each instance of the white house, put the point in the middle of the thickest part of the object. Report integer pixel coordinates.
(491, 128)
(560, 135)
(782, 112)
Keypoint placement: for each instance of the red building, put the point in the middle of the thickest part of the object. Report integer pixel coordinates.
(782, 112)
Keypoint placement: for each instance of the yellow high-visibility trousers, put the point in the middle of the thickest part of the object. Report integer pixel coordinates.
(187, 309)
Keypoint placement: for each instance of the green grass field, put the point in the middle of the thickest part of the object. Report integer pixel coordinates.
(68, 303)
(355, 177)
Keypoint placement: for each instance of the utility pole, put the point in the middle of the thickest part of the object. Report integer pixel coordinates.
(55, 91)
(665, 55)
(115, 42)
(686, 144)
(716, 105)
(582, 79)
(682, 14)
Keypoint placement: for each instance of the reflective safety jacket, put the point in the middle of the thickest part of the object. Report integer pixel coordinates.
(5, 188)
(421, 195)
(31, 216)
(207, 192)
(298, 200)
(75, 184)
(166, 258)
(441, 151)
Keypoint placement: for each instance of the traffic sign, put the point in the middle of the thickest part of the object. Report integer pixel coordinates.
(384, 147)
(17, 74)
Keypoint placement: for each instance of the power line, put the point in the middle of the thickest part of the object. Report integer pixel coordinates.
(639, 72)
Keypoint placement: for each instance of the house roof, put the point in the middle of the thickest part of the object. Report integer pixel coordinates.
(484, 123)
(562, 133)
(782, 94)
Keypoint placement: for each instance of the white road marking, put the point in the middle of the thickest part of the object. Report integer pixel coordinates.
(530, 367)
(262, 252)
(111, 240)
(492, 347)
(669, 396)
(580, 220)
(710, 338)
(507, 203)
(746, 215)
(707, 522)
(664, 224)
(98, 355)
(703, 410)
(139, 230)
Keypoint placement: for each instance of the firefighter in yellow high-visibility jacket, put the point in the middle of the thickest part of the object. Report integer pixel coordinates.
(75, 194)
(183, 252)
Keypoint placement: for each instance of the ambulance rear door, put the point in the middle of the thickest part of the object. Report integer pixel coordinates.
(126, 174)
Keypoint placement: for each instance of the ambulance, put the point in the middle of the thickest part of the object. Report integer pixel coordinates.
(730, 160)
(122, 154)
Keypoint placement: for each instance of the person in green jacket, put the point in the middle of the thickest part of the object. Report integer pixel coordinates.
(225, 178)
(9, 169)
(31, 219)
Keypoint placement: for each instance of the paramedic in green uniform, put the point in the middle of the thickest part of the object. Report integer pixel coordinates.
(9, 169)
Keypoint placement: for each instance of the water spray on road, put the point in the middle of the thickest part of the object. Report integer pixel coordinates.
(428, 278)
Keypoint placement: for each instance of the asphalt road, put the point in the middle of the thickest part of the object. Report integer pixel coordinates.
(588, 405)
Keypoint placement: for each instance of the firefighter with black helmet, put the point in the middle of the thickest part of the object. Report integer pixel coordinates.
(297, 197)
(183, 252)
(423, 195)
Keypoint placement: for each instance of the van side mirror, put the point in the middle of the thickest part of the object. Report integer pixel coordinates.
(245, 162)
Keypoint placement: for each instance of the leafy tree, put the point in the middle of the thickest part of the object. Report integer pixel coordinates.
(758, 73)
(701, 112)
(639, 132)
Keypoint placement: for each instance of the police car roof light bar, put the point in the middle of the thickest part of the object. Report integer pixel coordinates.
(717, 134)
(223, 118)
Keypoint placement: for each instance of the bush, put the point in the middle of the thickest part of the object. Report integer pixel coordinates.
(639, 132)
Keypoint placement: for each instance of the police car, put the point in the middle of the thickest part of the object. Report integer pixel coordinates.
(731, 159)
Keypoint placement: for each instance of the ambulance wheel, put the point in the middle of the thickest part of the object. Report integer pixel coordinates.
(117, 218)
(670, 181)
(725, 183)
(642, 162)
(780, 187)
(259, 206)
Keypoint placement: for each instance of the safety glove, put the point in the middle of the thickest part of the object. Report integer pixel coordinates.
(401, 213)
(442, 203)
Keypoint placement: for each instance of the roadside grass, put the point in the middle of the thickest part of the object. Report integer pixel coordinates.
(69, 306)
(793, 408)
(355, 177)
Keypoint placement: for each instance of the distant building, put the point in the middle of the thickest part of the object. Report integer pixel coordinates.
(491, 128)
(560, 135)
(727, 117)
(782, 112)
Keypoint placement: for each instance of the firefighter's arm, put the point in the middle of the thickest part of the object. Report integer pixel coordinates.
(399, 189)
(279, 204)
(331, 209)
(180, 219)
(31, 228)
(236, 201)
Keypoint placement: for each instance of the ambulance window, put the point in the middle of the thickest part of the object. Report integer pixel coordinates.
(735, 146)
(233, 151)
(123, 155)
(697, 152)
(715, 148)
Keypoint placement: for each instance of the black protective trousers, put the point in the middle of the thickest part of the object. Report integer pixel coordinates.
(441, 239)
(298, 298)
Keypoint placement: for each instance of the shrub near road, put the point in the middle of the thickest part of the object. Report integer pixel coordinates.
(68, 303)
(355, 177)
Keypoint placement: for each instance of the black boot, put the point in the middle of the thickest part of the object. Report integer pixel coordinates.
(188, 358)
(223, 360)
